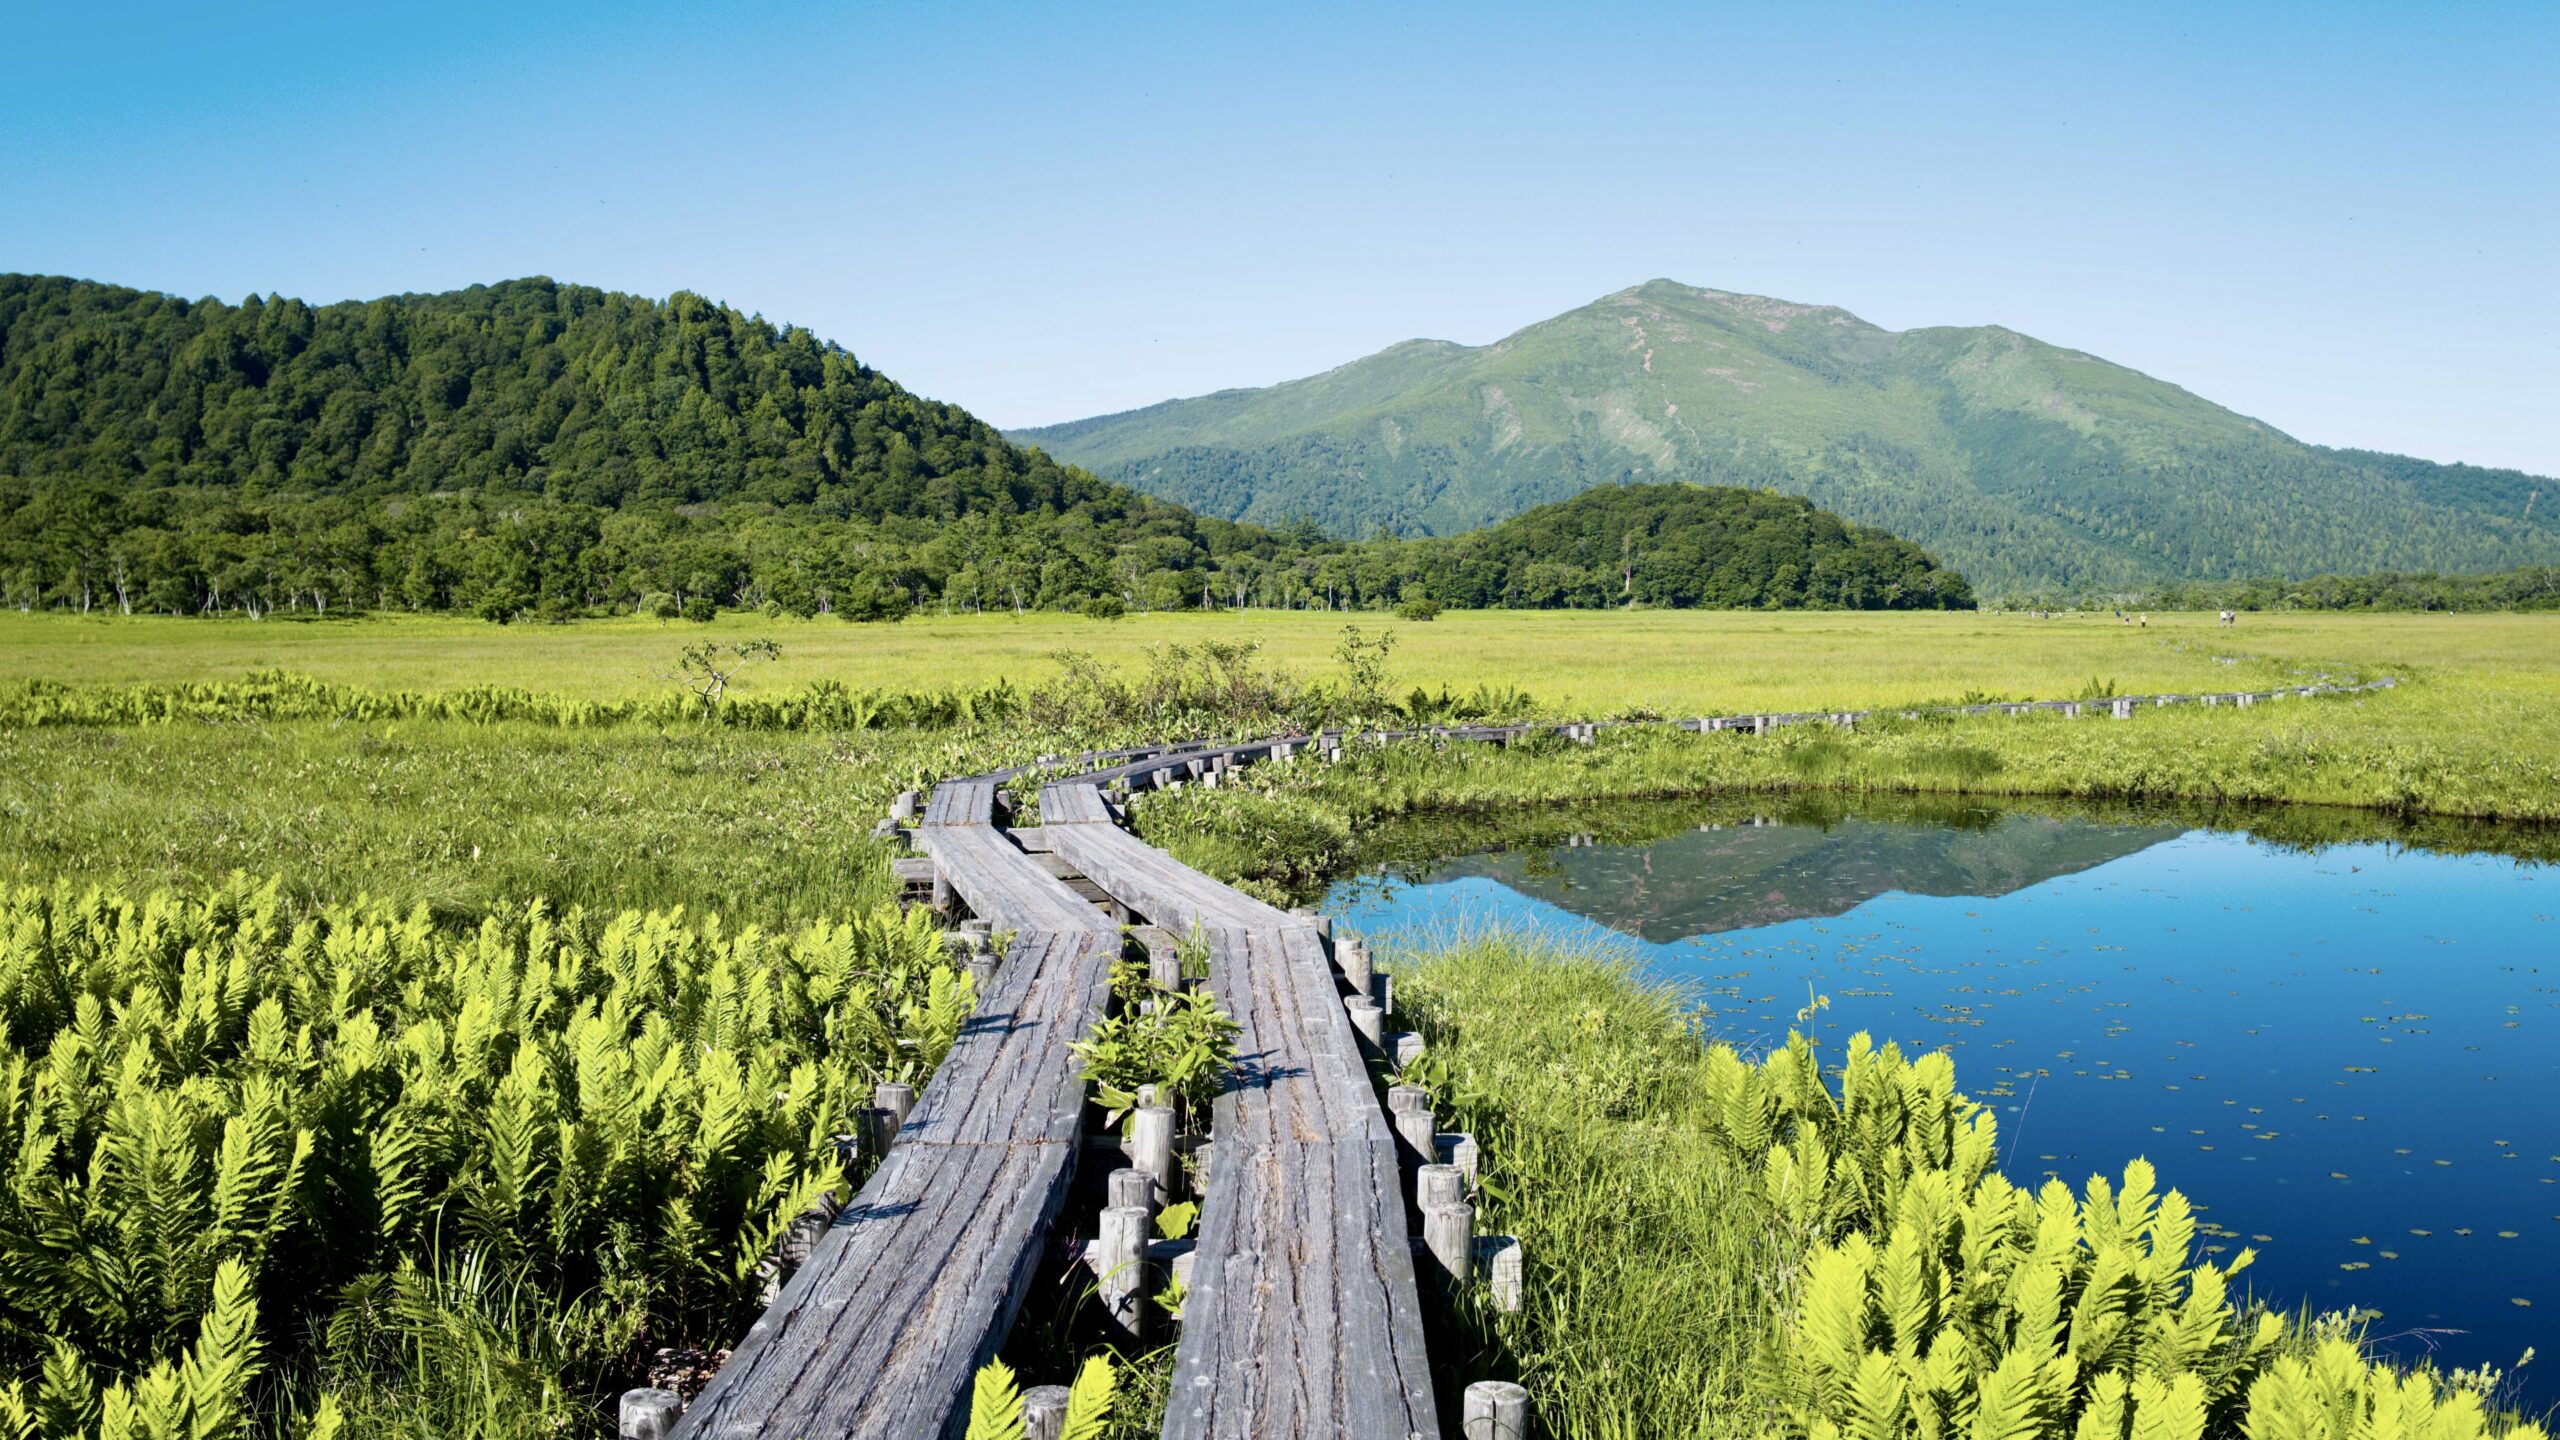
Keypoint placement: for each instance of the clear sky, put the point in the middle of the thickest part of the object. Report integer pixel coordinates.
(2341, 218)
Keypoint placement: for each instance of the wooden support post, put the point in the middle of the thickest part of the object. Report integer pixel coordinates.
(1456, 1147)
(1130, 1185)
(1495, 1410)
(2071, 710)
(891, 1102)
(649, 1414)
(1151, 1146)
(1449, 1235)
(1120, 1254)
(1402, 1047)
(982, 972)
(1759, 724)
(902, 810)
(1366, 1020)
(1409, 1107)
(1351, 957)
(1044, 1412)
(1382, 990)
(1439, 1185)
(1504, 1262)
(941, 891)
(2123, 709)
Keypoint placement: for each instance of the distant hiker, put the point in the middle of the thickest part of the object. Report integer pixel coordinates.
(2229, 619)
(2146, 622)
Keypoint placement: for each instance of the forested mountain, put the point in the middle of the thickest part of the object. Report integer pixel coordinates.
(547, 448)
(2026, 465)
(523, 441)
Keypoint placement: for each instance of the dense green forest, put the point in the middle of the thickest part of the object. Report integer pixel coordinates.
(1680, 547)
(2533, 588)
(2032, 468)
(545, 449)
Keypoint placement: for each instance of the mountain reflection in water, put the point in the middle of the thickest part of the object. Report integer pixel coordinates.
(2343, 1047)
(1736, 874)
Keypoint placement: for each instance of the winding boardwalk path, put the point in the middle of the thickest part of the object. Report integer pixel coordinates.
(914, 1285)
(1302, 1316)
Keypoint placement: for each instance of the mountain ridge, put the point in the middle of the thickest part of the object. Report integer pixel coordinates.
(2028, 464)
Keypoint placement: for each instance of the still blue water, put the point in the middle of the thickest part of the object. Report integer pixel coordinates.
(2345, 1056)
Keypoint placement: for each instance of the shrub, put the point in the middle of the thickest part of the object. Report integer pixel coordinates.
(1103, 607)
(700, 610)
(1184, 1045)
(501, 603)
(1420, 607)
(870, 599)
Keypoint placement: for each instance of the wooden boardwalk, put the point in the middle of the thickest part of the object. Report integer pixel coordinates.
(913, 1287)
(1302, 1315)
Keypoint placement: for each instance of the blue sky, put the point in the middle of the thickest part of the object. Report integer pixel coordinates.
(2343, 219)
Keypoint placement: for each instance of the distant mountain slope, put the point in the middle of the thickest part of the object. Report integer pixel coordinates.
(2021, 463)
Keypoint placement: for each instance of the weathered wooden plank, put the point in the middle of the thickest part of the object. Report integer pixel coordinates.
(914, 1286)
(1300, 1076)
(1156, 885)
(1302, 1317)
(962, 802)
(907, 1294)
(1078, 803)
(1002, 883)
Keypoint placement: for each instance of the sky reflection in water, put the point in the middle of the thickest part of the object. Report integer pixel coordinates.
(2344, 1056)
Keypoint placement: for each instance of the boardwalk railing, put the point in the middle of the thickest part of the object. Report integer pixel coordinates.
(1302, 1314)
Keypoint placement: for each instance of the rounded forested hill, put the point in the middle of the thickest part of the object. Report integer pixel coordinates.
(579, 394)
(1687, 546)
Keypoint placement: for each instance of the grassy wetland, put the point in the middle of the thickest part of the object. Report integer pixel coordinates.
(1687, 1280)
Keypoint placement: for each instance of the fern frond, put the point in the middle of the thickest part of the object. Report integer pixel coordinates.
(1089, 1400)
(995, 1404)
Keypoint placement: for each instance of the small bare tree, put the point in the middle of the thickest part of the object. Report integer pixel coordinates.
(706, 669)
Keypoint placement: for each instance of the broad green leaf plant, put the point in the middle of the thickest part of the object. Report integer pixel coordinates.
(1936, 1299)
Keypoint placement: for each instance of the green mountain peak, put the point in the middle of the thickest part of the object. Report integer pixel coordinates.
(2026, 464)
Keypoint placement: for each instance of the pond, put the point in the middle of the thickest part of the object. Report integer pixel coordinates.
(2346, 1052)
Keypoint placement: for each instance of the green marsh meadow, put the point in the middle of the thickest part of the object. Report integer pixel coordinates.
(446, 879)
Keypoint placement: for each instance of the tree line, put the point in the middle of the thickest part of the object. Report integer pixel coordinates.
(2534, 587)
